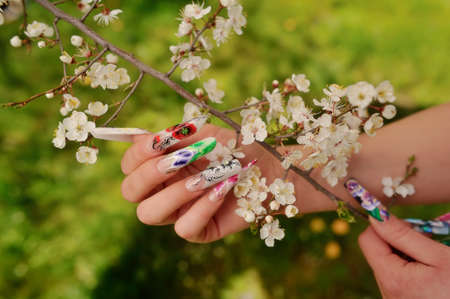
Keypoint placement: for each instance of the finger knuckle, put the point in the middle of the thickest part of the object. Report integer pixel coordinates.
(401, 232)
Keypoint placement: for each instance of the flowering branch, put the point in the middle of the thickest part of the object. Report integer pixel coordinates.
(145, 69)
(60, 87)
(93, 6)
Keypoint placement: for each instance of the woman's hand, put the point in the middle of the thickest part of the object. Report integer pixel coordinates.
(425, 277)
(163, 198)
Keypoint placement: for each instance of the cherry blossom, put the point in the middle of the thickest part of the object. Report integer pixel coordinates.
(78, 126)
(87, 155)
(193, 67)
(214, 94)
(271, 232)
(107, 16)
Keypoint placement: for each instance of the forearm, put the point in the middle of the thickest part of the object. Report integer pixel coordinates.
(425, 134)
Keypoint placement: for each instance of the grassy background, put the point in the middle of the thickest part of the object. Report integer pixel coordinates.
(66, 232)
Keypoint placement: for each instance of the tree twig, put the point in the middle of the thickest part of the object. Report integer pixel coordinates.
(124, 101)
(197, 37)
(244, 107)
(25, 15)
(61, 47)
(84, 17)
(70, 81)
(144, 68)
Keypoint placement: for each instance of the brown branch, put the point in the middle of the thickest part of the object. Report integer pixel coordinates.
(197, 37)
(61, 47)
(124, 101)
(84, 17)
(144, 68)
(70, 81)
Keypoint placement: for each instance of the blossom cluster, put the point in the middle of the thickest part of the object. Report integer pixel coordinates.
(328, 129)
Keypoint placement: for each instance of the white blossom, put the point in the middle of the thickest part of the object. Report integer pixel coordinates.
(41, 44)
(111, 58)
(389, 111)
(97, 108)
(385, 92)
(361, 94)
(301, 82)
(393, 186)
(334, 170)
(70, 103)
(274, 205)
(15, 41)
(222, 30)
(258, 190)
(49, 95)
(179, 50)
(228, 3)
(193, 67)
(2, 19)
(107, 16)
(184, 28)
(314, 160)
(87, 155)
(66, 58)
(373, 123)
(214, 94)
(276, 103)
(271, 232)
(107, 76)
(76, 41)
(253, 129)
(249, 209)
(299, 112)
(191, 111)
(236, 18)
(78, 127)
(292, 158)
(335, 92)
(352, 121)
(219, 154)
(195, 11)
(291, 211)
(283, 191)
(268, 219)
(36, 29)
(59, 141)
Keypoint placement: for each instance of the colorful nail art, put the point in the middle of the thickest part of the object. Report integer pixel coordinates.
(445, 217)
(367, 200)
(187, 155)
(435, 227)
(213, 175)
(221, 189)
(170, 136)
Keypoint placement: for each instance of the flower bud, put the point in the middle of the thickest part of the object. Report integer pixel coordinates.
(275, 83)
(66, 58)
(49, 95)
(76, 40)
(111, 58)
(389, 111)
(269, 219)
(15, 41)
(199, 93)
(274, 205)
(41, 44)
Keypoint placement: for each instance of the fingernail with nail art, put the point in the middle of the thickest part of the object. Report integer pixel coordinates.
(171, 136)
(435, 227)
(222, 189)
(213, 175)
(372, 205)
(186, 156)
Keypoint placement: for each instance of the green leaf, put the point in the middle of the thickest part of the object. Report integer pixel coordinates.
(345, 213)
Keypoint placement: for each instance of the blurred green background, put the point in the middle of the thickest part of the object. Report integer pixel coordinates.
(67, 233)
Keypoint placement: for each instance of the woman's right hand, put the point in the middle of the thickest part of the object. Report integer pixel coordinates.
(164, 199)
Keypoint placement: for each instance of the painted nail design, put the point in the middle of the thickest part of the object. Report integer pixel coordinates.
(213, 175)
(435, 227)
(221, 189)
(445, 217)
(187, 155)
(367, 200)
(170, 136)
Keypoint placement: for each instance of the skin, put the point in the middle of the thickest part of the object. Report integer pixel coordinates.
(197, 219)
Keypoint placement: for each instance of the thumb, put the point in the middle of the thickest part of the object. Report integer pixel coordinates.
(401, 236)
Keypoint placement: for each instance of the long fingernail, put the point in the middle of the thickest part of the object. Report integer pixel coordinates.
(221, 190)
(187, 155)
(213, 175)
(170, 136)
(372, 205)
(435, 227)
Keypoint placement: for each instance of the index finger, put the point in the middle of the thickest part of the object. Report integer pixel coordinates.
(152, 145)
